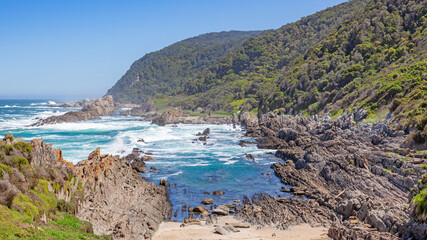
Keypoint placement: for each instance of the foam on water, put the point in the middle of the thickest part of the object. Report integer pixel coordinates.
(188, 164)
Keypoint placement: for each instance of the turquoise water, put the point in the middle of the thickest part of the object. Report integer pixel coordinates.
(191, 167)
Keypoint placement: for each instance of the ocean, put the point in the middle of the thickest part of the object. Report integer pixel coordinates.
(191, 167)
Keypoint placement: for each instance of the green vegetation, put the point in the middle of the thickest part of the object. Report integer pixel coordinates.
(163, 73)
(29, 207)
(360, 54)
(23, 146)
(14, 225)
(420, 200)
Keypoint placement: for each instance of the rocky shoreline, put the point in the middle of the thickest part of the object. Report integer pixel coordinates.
(118, 201)
(104, 190)
(99, 107)
(358, 179)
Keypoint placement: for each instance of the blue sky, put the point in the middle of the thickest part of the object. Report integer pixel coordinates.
(78, 49)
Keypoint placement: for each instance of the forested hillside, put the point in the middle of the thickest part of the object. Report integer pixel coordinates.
(164, 72)
(362, 53)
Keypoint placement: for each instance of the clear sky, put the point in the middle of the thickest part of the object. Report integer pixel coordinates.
(69, 50)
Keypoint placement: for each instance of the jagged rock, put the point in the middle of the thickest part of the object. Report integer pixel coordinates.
(287, 134)
(360, 114)
(211, 219)
(118, 201)
(336, 165)
(100, 107)
(204, 133)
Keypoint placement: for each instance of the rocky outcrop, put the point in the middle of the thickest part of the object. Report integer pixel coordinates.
(104, 190)
(356, 183)
(77, 104)
(100, 107)
(176, 116)
(118, 201)
(142, 110)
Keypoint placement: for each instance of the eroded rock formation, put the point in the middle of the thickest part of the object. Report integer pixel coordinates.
(100, 107)
(357, 178)
(118, 201)
(176, 116)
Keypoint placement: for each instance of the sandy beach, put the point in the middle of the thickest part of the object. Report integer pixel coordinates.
(172, 230)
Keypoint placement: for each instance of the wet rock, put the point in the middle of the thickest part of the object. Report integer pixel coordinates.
(164, 182)
(100, 107)
(200, 209)
(153, 169)
(204, 133)
(208, 201)
(249, 156)
(218, 193)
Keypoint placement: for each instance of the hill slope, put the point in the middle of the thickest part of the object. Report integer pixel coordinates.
(163, 72)
(360, 54)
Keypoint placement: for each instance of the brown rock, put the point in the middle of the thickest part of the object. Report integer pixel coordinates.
(208, 201)
(218, 193)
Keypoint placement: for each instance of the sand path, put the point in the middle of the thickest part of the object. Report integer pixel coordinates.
(173, 231)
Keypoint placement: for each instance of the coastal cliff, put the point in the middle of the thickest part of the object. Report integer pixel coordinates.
(99, 107)
(101, 197)
(118, 201)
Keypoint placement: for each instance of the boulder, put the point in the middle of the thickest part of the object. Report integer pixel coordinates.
(208, 201)
(218, 193)
(200, 209)
(221, 231)
(221, 210)
(230, 228)
(192, 221)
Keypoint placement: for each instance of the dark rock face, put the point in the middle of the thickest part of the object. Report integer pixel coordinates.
(137, 159)
(356, 186)
(100, 107)
(118, 201)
